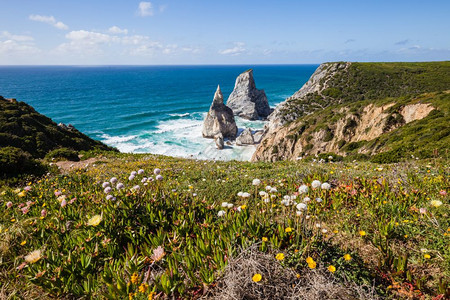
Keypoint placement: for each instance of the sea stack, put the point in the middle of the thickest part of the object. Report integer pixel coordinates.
(246, 100)
(220, 119)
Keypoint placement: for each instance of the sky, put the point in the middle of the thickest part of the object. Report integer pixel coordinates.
(191, 32)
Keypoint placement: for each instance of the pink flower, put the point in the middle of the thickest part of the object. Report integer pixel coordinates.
(43, 213)
(25, 210)
(58, 193)
(27, 188)
(442, 193)
(72, 200)
(9, 204)
(423, 210)
(63, 203)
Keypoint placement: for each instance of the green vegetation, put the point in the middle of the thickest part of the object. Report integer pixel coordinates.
(62, 154)
(180, 235)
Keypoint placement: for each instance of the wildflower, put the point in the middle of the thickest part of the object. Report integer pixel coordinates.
(325, 186)
(243, 206)
(302, 206)
(131, 177)
(279, 256)
(319, 200)
(268, 188)
(318, 225)
(436, 203)
(245, 195)
(362, 233)
(298, 213)
(347, 257)
(306, 199)
(144, 180)
(25, 210)
(134, 173)
(120, 186)
(22, 194)
(140, 172)
(158, 254)
(107, 190)
(113, 180)
(27, 188)
(105, 184)
(264, 239)
(288, 229)
(230, 205)
(109, 197)
(136, 187)
(442, 193)
(134, 278)
(263, 194)
(297, 275)
(221, 213)
(256, 182)
(61, 198)
(427, 256)
(159, 177)
(311, 263)
(315, 184)
(257, 277)
(143, 287)
(331, 268)
(156, 171)
(95, 220)
(324, 230)
(23, 243)
(303, 189)
(63, 203)
(43, 213)
(224, 204)
(33, 256)
(240, 194)
(9, 204)
(273, 190)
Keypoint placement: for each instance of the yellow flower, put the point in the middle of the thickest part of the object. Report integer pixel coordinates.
(335, 231)
(298, 275)
(23, 243)
(436, 203)
(312, 265)
(143, 287)
(347, 257)
(33, 257)
(243, 206)
(22, 194)
(257, 277)
(309, 260)
(362, 233)
(279, 256)
(288, 229)
(331, 268)
(427, 256)
(95, 220)
(150, 296)
(134, 278)
(264, 239)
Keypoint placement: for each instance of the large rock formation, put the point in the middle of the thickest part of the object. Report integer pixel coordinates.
(245, 138)
(246, 100)
(220, 119)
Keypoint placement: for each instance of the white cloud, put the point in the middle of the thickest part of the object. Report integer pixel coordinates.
(49, 20)
(117, 30)
(17, 38)
(238, 49)
(145, 9)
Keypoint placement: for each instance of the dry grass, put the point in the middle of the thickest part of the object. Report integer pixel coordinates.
(281, 283)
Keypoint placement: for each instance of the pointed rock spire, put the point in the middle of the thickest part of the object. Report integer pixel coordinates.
(218, 97)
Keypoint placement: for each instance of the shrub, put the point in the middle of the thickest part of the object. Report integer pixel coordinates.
(388, 157)
(63, 154)
(330, 157)
(14, 161)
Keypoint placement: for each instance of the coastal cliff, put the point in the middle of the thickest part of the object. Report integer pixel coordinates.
(361, 109)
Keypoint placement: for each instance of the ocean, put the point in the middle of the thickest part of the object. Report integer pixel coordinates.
(146, 109)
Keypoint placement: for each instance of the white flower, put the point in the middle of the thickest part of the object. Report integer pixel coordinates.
(107, 190)
(33, 257)
(287, 197)
(245, 195)
(325, 186)
(318, 225)
(119, 186)
(330, 157)
(298, 213)
(136, 187)
(256, 181)
(159, 177)
(131, 177)
(156, 171)
(230, 205)
(144, 179)
(240, 194)
(307, 217)
(302, 206)
(224, 204)
(324, 230)
(306, 199)
(140, 172)
(315, 184)
(109, 197)
(268, 188)
(105, 184)
(266, 200)
(221, 213)
(273, 190)
(318, 199)
(113, 180)
(133, 173)
(263, 194)
(303, 189)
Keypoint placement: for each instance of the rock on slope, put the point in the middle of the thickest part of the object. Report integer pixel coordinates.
(348, 107)
(220, 119)
(246, 100)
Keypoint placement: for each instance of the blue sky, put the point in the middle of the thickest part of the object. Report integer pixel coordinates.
(98, 32)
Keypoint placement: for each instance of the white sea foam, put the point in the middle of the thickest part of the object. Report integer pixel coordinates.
(179, 115)
(183, 138)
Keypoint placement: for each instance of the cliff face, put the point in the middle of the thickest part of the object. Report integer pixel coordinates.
(349, 108)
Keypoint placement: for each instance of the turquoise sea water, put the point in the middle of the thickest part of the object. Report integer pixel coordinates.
(145, 109)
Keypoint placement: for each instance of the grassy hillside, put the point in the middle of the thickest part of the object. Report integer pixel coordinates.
(373, 231)
(26, 135)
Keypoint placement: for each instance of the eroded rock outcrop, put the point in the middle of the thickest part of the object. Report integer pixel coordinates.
(245, 138)
(246, 100)
(220, 119)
